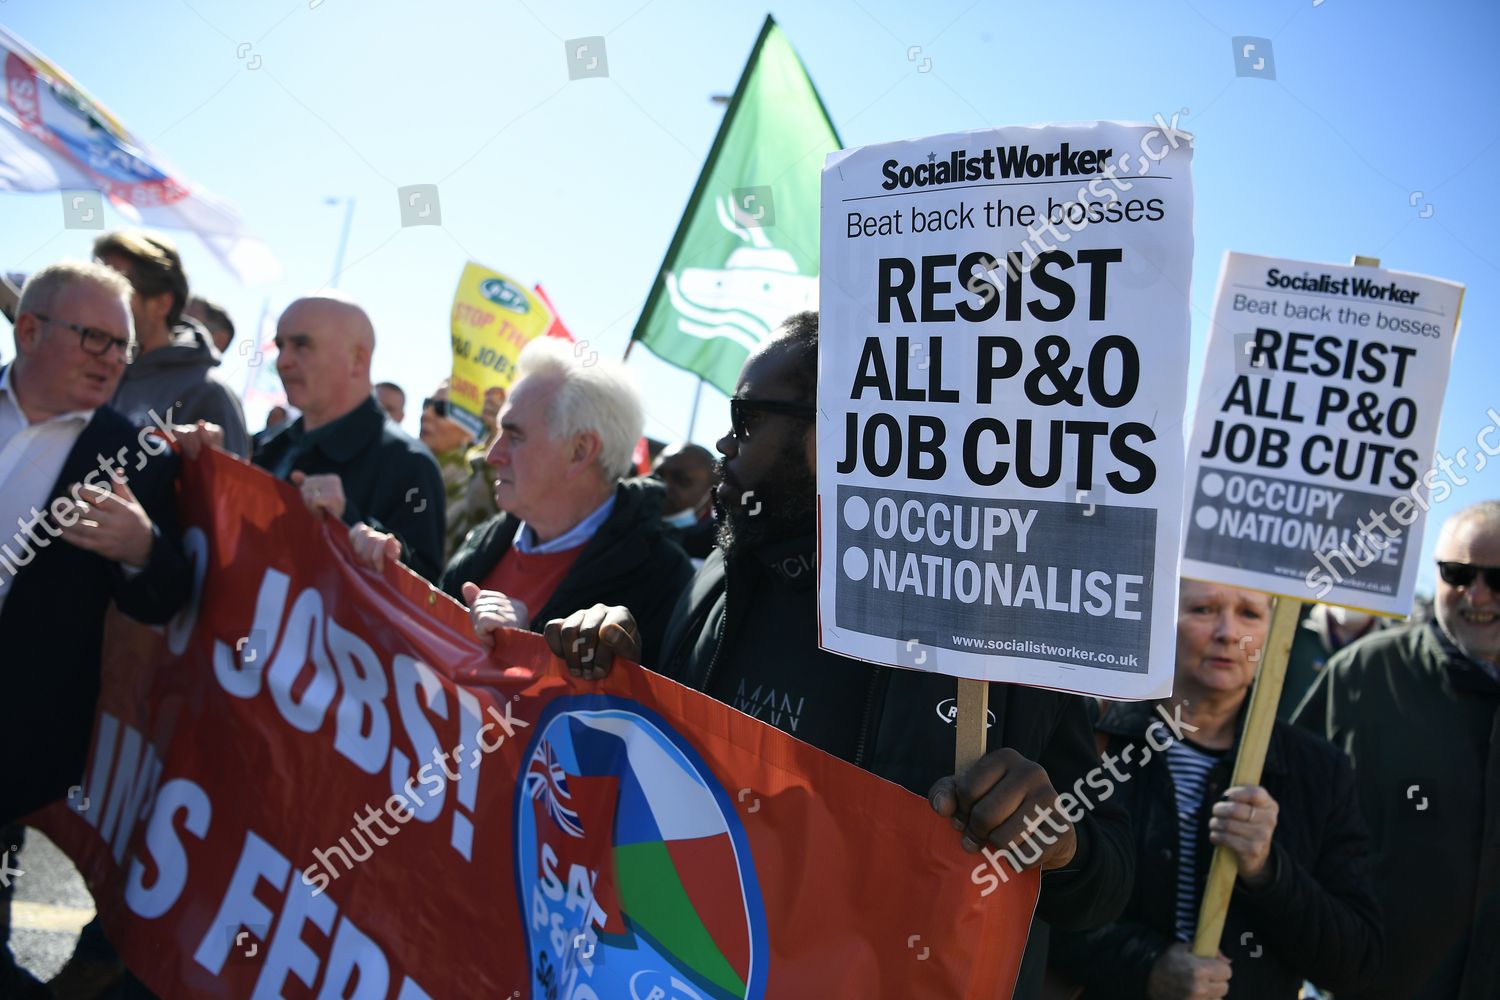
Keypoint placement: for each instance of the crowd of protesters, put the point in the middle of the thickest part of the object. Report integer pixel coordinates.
(1368, 856)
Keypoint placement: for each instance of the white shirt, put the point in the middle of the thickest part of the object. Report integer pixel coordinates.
(31, 459)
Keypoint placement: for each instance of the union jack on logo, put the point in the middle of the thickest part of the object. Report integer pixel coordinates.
(546, 777)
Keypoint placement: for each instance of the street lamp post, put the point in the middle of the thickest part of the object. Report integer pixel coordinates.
(338, 260)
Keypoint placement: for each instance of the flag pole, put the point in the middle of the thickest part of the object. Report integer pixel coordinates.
(697, 398)
(338, 258)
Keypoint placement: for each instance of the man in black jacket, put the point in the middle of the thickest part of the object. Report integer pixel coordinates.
(572, 530)
(91, 500)
(344, 455)
(76, 546)
(746, 633)
(1417, 710)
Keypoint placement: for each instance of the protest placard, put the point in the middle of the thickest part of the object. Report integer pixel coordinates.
(1310, 464)
(1001, 384)
(493, 318)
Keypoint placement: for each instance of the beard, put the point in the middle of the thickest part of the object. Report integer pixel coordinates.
(787, 506)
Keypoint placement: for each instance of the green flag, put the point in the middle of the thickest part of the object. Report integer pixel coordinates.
(745, 255)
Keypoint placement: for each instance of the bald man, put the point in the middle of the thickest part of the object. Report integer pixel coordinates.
(344, 454)
(1417, 710)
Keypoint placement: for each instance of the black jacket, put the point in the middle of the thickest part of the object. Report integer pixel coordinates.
(907, 729)
(52, 623)
(391, 481)
(1419, 719)
(1317, 919)
(630, 561)
(698, 539)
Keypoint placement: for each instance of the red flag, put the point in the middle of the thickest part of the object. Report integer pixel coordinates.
(557, 329)
(316, 778)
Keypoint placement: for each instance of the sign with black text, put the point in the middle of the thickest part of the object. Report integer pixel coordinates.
(1001, 384)
(1310, 467)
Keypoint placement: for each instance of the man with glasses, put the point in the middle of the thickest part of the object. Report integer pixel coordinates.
(86, 518)
(1417, 710)
(746, 633)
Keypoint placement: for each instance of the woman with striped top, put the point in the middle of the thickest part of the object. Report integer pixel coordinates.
(1303, 907)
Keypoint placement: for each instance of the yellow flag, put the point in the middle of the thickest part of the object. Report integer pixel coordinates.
(493, 318)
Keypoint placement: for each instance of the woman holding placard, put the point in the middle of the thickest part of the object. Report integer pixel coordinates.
(1303, 907)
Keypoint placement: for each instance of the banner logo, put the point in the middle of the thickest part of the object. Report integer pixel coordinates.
(505, 295)
(631, 862)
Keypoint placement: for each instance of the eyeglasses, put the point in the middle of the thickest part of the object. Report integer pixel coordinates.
(95, 341)
(439, 406)
(740, 410)
(1457, 574)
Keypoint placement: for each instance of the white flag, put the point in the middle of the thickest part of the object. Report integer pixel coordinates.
(54, 136)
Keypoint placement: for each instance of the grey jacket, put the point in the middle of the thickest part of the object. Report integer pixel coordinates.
(180, 377)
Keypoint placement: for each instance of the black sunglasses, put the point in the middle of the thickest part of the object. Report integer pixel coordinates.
(439, 406)
(95, 341)
(1457, 574)
(740, 410)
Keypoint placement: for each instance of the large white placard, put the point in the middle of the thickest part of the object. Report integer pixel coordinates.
(1310, 465)
(1001, 386)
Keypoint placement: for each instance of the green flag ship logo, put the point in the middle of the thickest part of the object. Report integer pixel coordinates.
(745, 255)
(742, 302)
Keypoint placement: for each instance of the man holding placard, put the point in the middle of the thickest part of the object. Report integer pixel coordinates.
(1416, 710)
(746, 633)
(996, 434)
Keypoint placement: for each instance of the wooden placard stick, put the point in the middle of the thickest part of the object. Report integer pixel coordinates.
(973, 714)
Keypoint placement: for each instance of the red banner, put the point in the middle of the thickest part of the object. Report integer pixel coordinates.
(315, 783)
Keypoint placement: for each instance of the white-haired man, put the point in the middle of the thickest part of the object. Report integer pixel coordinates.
(572, 530)
(1417, 710)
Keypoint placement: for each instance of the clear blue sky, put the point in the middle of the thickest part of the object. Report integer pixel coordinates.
(580, 184)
